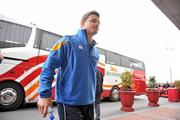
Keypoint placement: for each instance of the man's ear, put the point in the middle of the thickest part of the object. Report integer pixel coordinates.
(82, 24)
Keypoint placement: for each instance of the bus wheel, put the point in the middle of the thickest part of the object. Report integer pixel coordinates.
(114, 95)
(11, 96)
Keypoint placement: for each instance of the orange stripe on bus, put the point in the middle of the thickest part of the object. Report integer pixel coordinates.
(32, 88)
(110, 85)
(34, 96)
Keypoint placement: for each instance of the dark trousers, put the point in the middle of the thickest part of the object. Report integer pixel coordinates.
(75, 112)
(97, 111)
(97, 106)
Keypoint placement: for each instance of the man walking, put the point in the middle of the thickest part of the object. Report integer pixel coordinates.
(76, 58)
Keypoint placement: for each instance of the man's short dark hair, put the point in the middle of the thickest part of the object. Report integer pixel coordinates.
(86, 15)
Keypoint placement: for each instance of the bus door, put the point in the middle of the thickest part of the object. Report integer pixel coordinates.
(44, 42)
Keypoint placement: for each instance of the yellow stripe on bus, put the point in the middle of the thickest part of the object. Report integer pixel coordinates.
(101, 63)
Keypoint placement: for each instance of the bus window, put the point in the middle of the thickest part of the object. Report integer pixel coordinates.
(45, 39)
(13, 35)
(112, 58)
(101, 55)
(101, 51)
(137, 65)
(125, 62)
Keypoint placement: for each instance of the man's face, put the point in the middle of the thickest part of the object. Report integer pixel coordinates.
(91, 24)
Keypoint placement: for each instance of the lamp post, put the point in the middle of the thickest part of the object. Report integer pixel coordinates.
(170, 69)
(170, 74)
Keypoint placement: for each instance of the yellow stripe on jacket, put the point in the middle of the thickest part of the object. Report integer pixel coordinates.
(58, 45)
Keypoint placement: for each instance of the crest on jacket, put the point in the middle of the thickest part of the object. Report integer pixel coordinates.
(80, 47)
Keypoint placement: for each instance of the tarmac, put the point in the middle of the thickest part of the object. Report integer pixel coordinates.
(166, 112)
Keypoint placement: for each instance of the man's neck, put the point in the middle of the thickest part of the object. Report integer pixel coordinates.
(89, 39)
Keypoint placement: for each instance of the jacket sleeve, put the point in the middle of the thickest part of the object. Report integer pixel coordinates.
(102, 80)
(54, 61)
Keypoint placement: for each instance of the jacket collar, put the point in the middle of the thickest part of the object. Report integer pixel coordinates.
(83, 37)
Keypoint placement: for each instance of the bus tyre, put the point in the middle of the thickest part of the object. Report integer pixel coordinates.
(11, 96)
(114, 95)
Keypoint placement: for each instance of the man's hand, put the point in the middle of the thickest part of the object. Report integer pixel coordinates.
(1, 57)
(43, 105)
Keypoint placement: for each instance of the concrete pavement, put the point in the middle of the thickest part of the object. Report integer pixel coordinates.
(166, 112)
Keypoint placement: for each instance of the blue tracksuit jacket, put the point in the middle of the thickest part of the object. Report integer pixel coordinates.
(76, 61)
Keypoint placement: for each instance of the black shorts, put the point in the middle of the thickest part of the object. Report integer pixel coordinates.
(75, 112)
